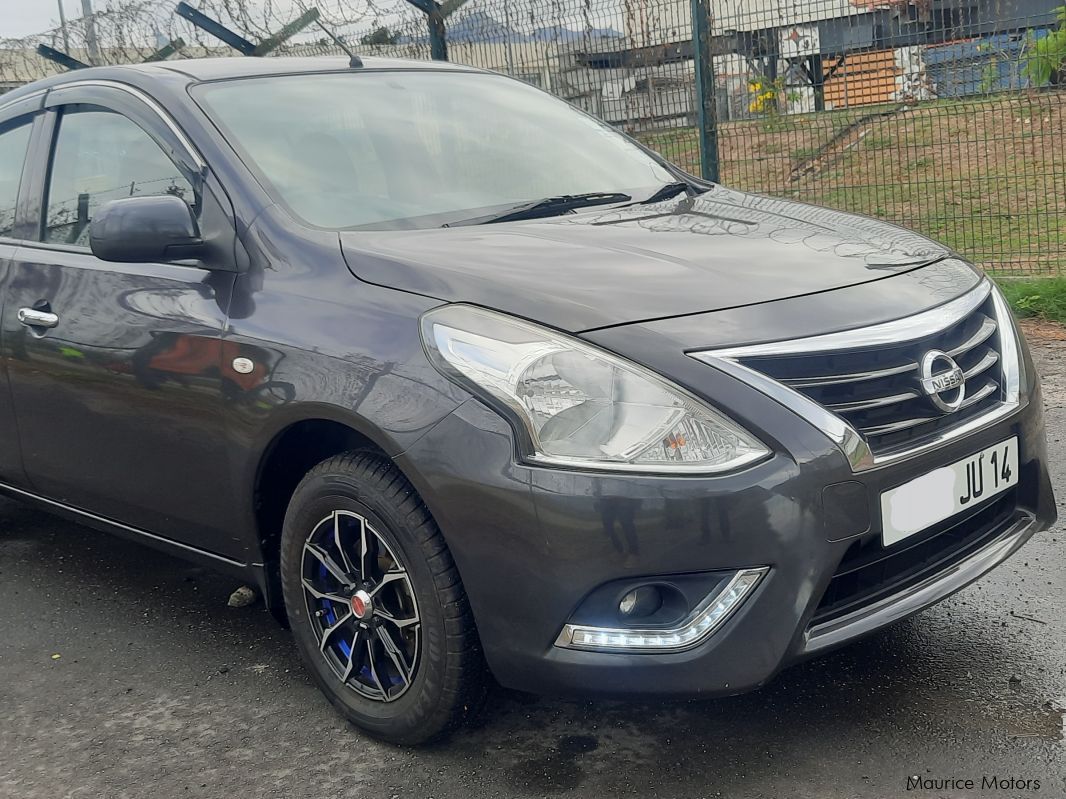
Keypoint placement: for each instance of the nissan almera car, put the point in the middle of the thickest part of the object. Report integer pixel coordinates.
(470, 384)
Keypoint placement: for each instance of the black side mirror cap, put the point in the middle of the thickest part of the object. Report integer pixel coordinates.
(145, 229)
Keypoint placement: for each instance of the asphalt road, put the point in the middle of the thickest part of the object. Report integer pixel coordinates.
(160, 690)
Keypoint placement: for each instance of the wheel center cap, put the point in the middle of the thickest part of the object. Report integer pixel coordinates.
(362, 604)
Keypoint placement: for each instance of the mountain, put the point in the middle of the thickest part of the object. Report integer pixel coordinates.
(476, 26)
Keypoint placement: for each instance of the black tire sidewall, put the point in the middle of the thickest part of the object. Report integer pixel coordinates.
(314, 500)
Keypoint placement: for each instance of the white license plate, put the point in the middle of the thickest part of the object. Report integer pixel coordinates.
(944, 492)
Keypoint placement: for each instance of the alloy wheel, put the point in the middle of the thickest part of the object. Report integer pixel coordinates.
(361, 606)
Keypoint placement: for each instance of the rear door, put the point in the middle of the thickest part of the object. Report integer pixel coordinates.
(114, 368)
(16, 125)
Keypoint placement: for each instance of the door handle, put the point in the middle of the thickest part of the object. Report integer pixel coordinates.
(31, 317)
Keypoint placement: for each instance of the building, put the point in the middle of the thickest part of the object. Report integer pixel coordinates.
(825, 54)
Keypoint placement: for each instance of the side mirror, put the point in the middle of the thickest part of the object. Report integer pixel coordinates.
(138, 229)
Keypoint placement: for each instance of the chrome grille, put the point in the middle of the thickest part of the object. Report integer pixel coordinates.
(877, 389)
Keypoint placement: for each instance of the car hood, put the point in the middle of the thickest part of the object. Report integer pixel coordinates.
(577, 272)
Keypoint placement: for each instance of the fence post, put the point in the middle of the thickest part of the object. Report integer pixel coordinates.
(706, 91)
(438, 42)
(435, 14)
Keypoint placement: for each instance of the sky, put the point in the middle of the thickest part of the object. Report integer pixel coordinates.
(20, 18)
(23, 17)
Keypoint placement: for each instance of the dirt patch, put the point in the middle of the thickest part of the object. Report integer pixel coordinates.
(1037, 330)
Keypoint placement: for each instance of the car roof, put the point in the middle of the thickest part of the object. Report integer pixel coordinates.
(208, 69)
(250, 66)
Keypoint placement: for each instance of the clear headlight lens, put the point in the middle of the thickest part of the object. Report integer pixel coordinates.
(580, 406)
(1015, 379)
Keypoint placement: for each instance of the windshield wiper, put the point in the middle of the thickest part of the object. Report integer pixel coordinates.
(672, 190)
(549, 206)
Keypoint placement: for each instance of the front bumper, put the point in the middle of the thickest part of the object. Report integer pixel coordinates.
(1007, 538)
(532, 543)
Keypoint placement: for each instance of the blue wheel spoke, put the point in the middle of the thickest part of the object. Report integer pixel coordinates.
(349, 665)
(395, 655)
(329, 632)
(374, 671)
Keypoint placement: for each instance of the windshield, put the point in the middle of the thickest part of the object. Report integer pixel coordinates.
(407, 149)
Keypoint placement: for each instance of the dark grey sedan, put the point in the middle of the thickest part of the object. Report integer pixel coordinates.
(469, 383)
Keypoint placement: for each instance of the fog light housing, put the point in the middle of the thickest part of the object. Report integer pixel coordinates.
(704, 619)
(640, 602)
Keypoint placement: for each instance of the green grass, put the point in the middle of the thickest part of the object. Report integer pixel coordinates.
(878, 142)
(1043, 298)
(983, 175)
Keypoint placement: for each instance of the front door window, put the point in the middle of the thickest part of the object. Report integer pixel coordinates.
(102, 156)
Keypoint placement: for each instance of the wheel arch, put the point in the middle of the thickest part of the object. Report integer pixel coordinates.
(293, 447)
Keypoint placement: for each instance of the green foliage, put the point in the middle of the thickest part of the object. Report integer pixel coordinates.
(990, 76)
(1043, 298)
(1047, 56)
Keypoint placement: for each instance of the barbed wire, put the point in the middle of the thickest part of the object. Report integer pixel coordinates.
(130, 31)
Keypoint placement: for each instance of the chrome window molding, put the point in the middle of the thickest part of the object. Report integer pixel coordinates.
(749, 579)
(839, 431)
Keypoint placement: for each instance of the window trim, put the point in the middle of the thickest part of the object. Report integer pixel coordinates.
(145, 100)
(37, 96)
(30, 106)
(111, 95)
(29, 120)
(55, 113)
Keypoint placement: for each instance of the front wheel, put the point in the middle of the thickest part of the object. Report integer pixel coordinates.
(375, 602)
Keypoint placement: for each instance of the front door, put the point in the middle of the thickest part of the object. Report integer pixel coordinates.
(115, 368)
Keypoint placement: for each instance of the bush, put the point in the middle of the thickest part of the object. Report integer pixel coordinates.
(1043, 298)
(1047, 56)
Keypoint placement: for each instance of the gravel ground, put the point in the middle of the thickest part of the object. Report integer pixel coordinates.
(124, 674)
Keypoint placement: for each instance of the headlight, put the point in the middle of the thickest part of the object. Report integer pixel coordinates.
(1015, 380)
(579, 406)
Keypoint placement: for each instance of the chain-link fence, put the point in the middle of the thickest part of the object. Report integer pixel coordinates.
(942, 115)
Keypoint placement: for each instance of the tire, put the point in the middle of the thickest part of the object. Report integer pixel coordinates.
(403, 681)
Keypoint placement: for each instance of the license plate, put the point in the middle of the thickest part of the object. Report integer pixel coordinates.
(944, 492)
